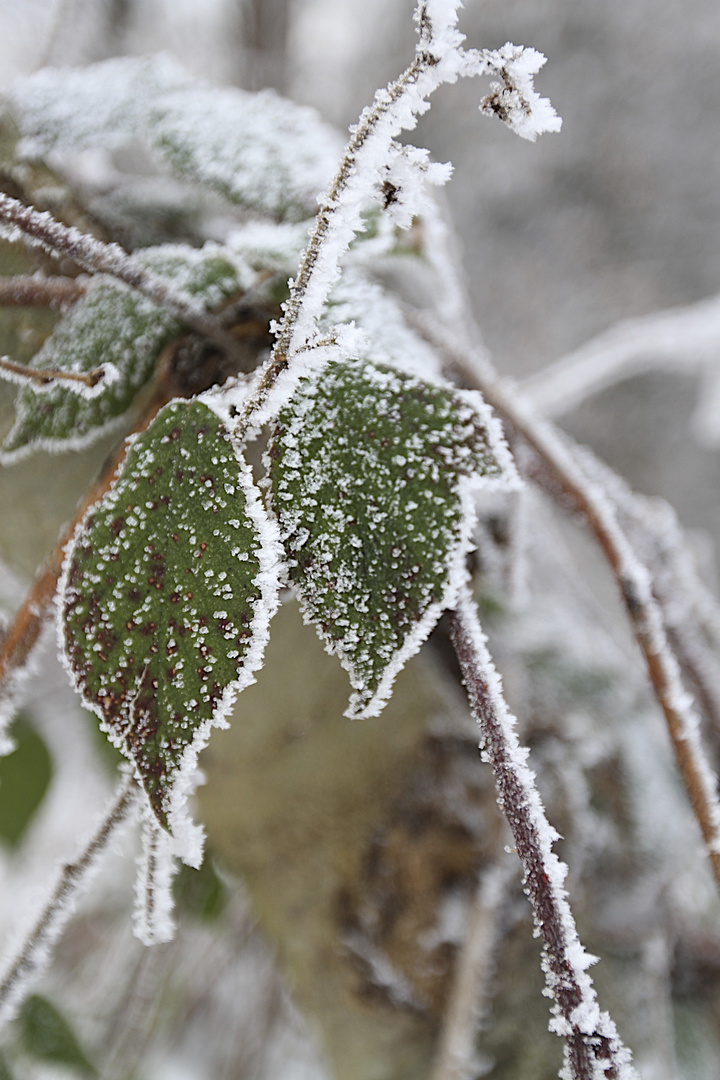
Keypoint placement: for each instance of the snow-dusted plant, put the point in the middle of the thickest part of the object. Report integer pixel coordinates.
(165, 586)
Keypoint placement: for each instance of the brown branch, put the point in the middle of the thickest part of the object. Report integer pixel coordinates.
(22, 635)
(32, 290)
(593, 1046)
(42, 230)
(34, 951)
(47, 376)
(571, 487)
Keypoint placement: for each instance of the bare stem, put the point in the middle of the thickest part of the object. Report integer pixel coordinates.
(593, 1047)
(47, 376)
(33, 953)
(473, 970)
(42, 230)
(574, 489)
(31, 290)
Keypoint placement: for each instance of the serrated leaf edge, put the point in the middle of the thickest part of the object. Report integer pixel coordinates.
(468, 487)
(188, 836)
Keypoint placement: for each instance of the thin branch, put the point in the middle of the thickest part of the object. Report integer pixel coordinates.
(48, 376)
(33, 954)
(42, 230)
(34, 290)
(679, 339)
(21, 637)
(439, 58)
(574, 488)
(593, 1047)
(473, 969)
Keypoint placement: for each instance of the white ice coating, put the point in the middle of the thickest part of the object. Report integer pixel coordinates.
(586, 1017)
(187, 836)
(256, 149)
(373, 151)
(153, 921)
(30, 949)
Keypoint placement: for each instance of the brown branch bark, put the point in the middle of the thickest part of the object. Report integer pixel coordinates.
(41, 229)
(31, 290)
(45, 376)
(22, 635)
(593, 1047)
(571, 488)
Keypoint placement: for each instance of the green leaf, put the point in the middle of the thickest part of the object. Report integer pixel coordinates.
(169, 587)
(200, 892)
(260, 151)
(46, 1035)
(370, 474)
(111, 324)
(24, 778)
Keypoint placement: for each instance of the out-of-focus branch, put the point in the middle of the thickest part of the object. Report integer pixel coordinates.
(34, 952)
(42, 230)
(473, 970)
(46, 376)
(569, 483)
(680, 339)
(32, 290)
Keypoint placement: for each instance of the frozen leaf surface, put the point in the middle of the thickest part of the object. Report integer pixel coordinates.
(258, 150)
(371, 474)
(112, 325)
(167, 593)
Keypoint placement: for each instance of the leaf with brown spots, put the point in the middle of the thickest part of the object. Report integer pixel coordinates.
(167, 593)
(372, 474)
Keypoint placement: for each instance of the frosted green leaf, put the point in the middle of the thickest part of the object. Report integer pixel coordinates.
(258, 150)
(370, 477)
(167, 593)
(112, 324)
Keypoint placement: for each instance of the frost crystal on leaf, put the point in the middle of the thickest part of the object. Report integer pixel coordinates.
(113, 325)
(370, 477)
(166, 597)
(259, 150)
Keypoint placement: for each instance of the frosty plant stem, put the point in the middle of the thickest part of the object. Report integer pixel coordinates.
(593, 1047)
(42, 230)
(439, 59)
(590, 498)
(34, 953)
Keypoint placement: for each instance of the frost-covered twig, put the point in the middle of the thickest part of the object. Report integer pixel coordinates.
(454, 1059)
(372, 150)
(569, 482)
(593, 1048)
(33, 954)
(47, 376)
(34, 290)
(153, 891)
(42, 230)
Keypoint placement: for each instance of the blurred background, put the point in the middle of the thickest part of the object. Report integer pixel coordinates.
(616, 218)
